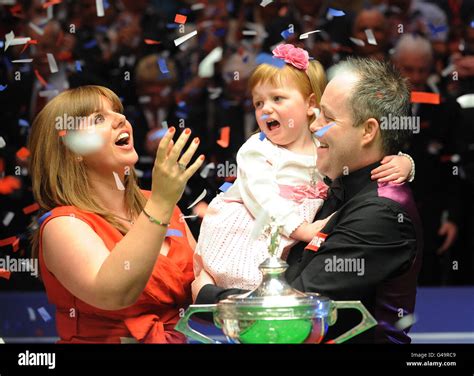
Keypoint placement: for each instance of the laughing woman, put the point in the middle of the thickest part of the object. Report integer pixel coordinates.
(105, 258)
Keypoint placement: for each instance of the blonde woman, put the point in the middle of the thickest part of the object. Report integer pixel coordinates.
(105, 258)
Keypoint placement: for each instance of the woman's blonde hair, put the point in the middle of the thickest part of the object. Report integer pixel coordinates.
(58, 179)
(313, 81)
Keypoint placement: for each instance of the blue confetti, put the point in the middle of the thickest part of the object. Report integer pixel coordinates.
(44, 314)
(91, 44)
(324, 129)
(106, 4)
(3, 87)
(224, 187)
(162, 65)
(437, 29)
(101, 29)
(264, 117)
(181, 115)
(23, 123)
(220, 32)
(1, 43)
(174, 232)
(43, 217)
(182, 104)
(472, 24)
(264, 58)
(157, 134)
(184, 11)
(172, 26)
(335, 12)
(286, 33)
(262, 136)
(78, 66)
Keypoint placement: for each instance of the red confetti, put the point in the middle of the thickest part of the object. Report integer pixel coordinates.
(50, 3)
(225, 137)
(23, 153)
(31, 208)
(31, 41)
(8, 184)
(40, 78)
(423, 97)
(7, 241)
(179, 18)
(62, 133)
(17, 11)
(5, 274)
(16, 245)
(151, 41)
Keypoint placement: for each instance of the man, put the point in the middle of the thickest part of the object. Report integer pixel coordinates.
(376, 225)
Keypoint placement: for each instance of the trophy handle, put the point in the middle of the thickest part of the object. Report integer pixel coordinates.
(367, 322)
(183, 323)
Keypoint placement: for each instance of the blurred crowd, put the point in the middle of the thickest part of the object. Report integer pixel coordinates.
(132, 48)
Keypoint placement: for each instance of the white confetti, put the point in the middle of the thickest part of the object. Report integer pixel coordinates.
(199, 199)
(184, 38)
(214, 93)
(2, 142)
(22, 61)
(249, 32)
(206, 67)
(466, 101)
(118, 182)
(264, 3)
(305, 35)
(206, 169)
(53, 67)
(48, 93)
(99, 4)
(2, 342)
(406, 322)
(370, 37)
(198, 6)
(10, 40)
(8, 218)
(358, 42)
(44, 314)
(448, 70)
(31, 314)
(83, 143)
(144, 99)
(38, 30)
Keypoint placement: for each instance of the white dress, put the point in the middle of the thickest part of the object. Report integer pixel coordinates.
(269, 178)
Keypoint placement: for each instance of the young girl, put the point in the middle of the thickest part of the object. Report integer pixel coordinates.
(276, 174)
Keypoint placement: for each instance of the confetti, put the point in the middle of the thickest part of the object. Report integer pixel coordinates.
(214, 93)
(22, 61)
(31, 314)
(225, 137)
(264, 3)
(164, 124)
(33, 41)
(286, 33)
(264, 117)
(40, 78)
(335, 13)
(423, 97)
(43, 218)
(184, 38)
(2, 142)
(162, 65)
(472, 24)
(182, 217)
(157, 134)
(205, 171)
(262, 136)
(180, 18)
(198, 6)
(78, 66)
(224, 187)
(370, 37)
(38, 30)
(31, 208)
(264, 58)
(3, 87)
(83, 143)
(436, 29)
(174, 232)
(8, 218)
(7, 241)
(324, 129)
(206, 66)
(23, 153)
(53, 67)
(51, 3)
(466, 101)
(151, 41)
(249, 32)
(91, 44)
(200, 197)
(448, 70)
(305, 35)
(44, 314)
(406, 321)
(4, 274)
(118, 182)
(10, 40)
(16, 245)
(100, 8)
(358, 42)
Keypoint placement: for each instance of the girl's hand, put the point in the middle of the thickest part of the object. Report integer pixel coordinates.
(170, 171)
(395, 169)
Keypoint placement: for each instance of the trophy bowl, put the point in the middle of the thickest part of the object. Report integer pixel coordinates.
(275, 313)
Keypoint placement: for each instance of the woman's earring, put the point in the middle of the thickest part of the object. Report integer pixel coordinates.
(79, 158)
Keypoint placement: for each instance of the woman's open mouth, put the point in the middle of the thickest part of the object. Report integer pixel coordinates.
(124, 140)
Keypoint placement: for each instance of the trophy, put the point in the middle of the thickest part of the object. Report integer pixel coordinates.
(275, 312)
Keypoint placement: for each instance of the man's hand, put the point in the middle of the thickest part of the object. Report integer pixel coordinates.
(450, 229)
(204, 278)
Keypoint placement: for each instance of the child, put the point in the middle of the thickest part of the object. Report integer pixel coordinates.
(276, 174)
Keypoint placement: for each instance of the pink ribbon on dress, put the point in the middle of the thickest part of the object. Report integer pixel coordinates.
(300, 192)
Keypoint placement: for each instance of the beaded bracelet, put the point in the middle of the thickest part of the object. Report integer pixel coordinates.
(411, 177)
(154, 220)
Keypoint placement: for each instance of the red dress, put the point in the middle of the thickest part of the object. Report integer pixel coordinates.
(152, 318)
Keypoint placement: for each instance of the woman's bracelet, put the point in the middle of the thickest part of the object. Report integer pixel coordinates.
(154, 220)
(411, 177)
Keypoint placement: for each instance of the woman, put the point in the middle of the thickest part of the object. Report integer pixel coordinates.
(105, 259)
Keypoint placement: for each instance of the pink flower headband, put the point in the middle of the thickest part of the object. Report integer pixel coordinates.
(290, 54)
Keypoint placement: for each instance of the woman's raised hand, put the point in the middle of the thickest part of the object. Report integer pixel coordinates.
(172, 170)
